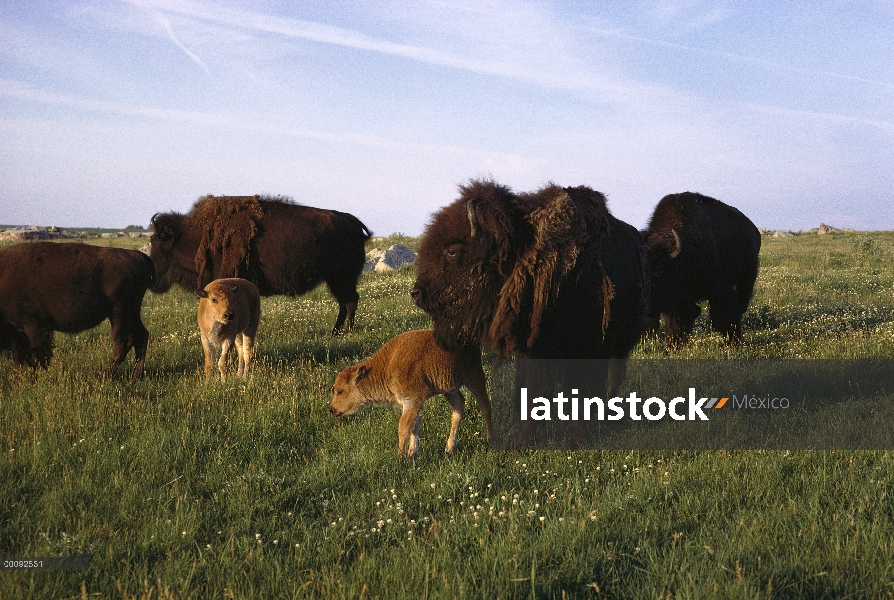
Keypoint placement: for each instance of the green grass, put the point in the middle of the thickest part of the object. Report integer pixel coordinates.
(178, 488)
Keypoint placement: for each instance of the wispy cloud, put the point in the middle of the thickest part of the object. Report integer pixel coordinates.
(25, 91)
(820, 116)
(166, 24)
(610, 33)
(552, 71)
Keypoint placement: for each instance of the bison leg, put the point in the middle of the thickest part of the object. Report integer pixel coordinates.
(408, 429)
(127, 332)
(245, 349)
(249, 353)
(347, 298)
(458, 403)
(40, 345)
(240, 357)
(477, 384)
(208, 348)
(678, 325)
(140, 341)
(617, 372)
(225, 346)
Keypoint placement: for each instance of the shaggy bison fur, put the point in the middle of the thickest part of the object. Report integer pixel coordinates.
(700, 249)
(280, 246)
(549, 274)
(47, 287)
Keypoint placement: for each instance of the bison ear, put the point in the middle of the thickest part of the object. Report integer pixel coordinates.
(362, 372)
(201, 294)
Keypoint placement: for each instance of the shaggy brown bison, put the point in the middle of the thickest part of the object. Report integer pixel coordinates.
(700, 249)
(47, 287)
(280, 246)
(550, 274)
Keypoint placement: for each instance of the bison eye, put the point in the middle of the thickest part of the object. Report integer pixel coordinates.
(214, 300)
(339, 392)
(452, 252)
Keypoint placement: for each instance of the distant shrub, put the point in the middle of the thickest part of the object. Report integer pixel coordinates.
(866, 246)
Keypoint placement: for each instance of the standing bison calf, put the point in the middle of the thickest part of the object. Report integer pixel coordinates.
(405, 372)
(47, 287)
(229, 313)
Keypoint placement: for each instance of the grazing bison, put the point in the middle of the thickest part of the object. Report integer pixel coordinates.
(47, 287)
(229, 314)
(405, 372)
(550, 274)
(281, 247)
(700, 249)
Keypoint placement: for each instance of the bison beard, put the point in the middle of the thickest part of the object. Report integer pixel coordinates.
(550, 274)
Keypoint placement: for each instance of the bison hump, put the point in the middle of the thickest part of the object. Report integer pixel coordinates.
(228, 223)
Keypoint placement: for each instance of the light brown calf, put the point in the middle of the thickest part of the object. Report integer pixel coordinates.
(405, 372)
(229, 312)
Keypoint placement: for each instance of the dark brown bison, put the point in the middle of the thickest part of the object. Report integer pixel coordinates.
(700, 249)
(550, 274)
(47, 287)
(280, 246)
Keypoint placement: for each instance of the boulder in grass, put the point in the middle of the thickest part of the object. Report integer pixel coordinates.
(824, 229)
(393, 258)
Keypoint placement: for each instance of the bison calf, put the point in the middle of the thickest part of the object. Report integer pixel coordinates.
(47, 287)
(405, 372)
(229, 312)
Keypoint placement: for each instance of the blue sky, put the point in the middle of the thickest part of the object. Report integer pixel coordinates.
(111, 111)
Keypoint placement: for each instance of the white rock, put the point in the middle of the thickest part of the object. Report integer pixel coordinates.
(395, 257)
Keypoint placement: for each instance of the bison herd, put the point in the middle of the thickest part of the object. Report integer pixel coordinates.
(545, 274)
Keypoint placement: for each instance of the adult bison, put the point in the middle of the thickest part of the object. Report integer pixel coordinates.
(700, 249)
(543, 275)
(47, 287)
(280, 246)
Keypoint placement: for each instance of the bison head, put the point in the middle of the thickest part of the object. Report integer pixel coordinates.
(220, 303)
(663, 248)
(167, 229)
(346, 396)
(466, 255)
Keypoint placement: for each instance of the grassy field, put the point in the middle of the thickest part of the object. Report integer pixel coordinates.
(177, 488)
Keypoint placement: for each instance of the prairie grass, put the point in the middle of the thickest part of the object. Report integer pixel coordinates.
(178, 488)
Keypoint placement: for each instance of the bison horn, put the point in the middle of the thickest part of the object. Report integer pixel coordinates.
(473, 219)
(678, 246)
(152, 220)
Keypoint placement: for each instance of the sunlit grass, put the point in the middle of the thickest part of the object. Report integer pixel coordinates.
(178, 488)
